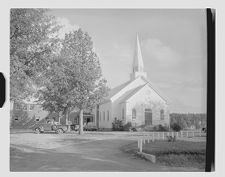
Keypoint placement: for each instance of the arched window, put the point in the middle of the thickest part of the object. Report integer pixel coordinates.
(162, 114)
(133, 113)
(108, 115)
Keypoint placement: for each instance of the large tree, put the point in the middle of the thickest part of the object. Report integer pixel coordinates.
(32, 42)
(74, 80)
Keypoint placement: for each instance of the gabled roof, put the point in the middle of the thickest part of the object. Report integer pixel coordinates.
(115, 90)
(156, 90)
(132, 92)
(129, 93)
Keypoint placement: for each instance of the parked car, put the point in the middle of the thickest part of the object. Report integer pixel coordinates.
(75, 127)
(50, 126)
(90, 128)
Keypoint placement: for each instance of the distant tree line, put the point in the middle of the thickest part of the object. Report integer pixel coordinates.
(186, 121)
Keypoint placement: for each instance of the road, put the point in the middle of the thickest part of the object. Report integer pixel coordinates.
(50, 152)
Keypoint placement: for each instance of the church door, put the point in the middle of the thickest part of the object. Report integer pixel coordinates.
(148, 117)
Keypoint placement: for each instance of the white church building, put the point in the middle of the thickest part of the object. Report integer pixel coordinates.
(135, 101)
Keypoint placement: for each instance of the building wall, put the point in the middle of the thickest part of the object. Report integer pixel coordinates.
(134, 84)
(26, 115)
(105, 123)
(146, 98)
(74, 118)
(116, 100)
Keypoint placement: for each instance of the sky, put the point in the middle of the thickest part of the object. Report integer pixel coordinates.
(173, 45)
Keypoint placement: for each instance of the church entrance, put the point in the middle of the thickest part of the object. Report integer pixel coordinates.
(148, 117)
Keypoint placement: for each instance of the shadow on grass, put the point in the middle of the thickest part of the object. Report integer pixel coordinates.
(176, 154)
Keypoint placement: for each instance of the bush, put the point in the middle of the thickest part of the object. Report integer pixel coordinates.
(117, 125)
(161, 128)
(127, 126)
(148, 129)
(176, 127)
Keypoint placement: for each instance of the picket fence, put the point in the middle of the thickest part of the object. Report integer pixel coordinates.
(152, 136)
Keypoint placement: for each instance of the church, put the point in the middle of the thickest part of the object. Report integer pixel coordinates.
(135, 101)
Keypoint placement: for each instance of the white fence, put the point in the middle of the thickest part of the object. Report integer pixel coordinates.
(152, 136)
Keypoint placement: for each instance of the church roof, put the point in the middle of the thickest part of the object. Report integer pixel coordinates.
(115, 90)
(131, 93)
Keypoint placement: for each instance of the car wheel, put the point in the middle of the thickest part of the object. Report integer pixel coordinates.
(59, 131)
(37, 131)
(54, 127)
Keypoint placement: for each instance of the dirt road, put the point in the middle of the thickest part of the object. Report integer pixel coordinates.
(70, 152)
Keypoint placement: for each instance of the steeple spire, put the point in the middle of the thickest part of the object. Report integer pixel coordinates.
(138, 65)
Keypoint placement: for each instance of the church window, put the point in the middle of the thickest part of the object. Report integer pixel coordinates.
(133, 113)
(108, 115)
(162, 114)
(104, 115)
(99, 116)
(123, 116)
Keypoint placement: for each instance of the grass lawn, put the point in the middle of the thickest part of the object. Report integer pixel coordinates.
(178, 153)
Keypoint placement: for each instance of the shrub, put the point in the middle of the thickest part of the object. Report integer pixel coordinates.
(171, 139)
(161, 128)
(117, 125)
(127, 126)
(149, 129)
(176, 127)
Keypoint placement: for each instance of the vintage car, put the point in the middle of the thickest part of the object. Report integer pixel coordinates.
(50, 126)
(86, 127)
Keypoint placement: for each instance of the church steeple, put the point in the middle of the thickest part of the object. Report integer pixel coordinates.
(138, 65)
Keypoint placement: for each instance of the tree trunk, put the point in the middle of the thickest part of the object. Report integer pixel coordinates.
(60, 118)
(81, 122)
(67, 120)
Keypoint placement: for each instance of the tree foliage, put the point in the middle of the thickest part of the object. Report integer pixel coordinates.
(32, 42)
(74, 80)
(187, 120)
